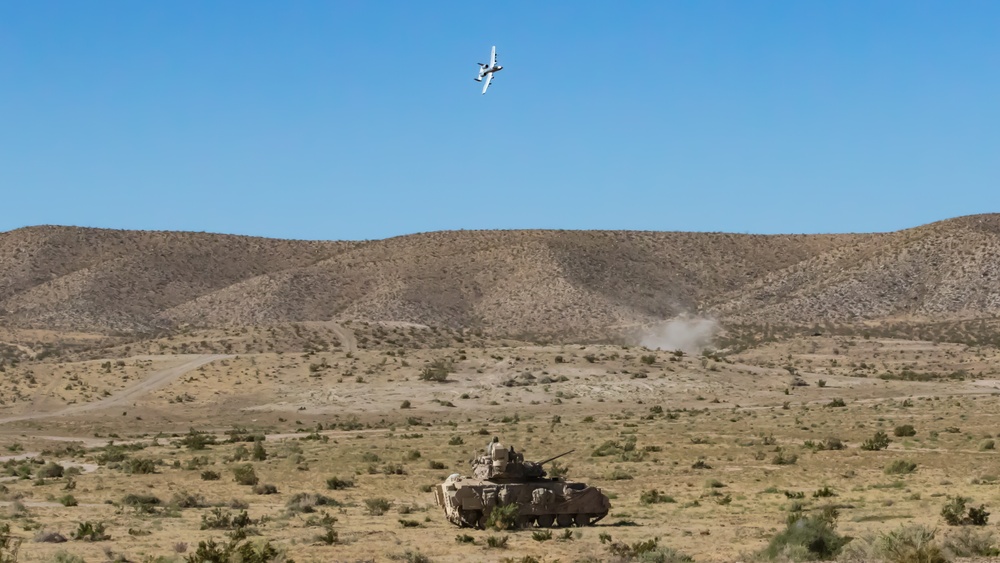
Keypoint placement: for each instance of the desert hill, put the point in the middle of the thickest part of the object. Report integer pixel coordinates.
(512, 282)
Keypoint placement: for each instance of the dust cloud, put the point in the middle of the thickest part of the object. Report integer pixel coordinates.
(689, 334)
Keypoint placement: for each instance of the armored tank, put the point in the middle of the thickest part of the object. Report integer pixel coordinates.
(502, 477)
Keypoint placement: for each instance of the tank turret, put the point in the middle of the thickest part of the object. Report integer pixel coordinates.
(501, 477)
(501, 464)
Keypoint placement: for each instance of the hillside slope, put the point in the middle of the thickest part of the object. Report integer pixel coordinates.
(512, 282)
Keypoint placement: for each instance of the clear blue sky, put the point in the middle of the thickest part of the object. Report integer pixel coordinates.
(360, 119)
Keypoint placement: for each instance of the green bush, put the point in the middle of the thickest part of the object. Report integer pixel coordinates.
(68, 500)
(245, 475)
(259, 453)
(90, 531)
(219, 519)
(195, 440)
(437, 371)
(136, 466)
(497, 542)
(879, 441)
(209, 475)
(955, 514)
(503, 518)
(806, 537)
(904, 431)
(541, 535)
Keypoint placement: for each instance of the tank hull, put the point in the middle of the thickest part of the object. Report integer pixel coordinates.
(468, 502)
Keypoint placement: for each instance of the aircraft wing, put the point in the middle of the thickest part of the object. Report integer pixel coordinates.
(489, 78)
(493, 57)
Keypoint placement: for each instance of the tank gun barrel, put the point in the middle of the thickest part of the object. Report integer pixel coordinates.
(553, 458)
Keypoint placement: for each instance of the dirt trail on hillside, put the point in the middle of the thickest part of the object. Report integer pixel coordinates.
(31, 353)
(346, 336)
(152, 383)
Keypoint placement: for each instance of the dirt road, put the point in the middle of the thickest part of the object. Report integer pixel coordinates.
(152, 383)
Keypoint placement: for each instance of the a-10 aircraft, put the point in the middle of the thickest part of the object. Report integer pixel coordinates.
(488, 70)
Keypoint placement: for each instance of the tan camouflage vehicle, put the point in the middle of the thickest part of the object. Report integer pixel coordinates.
(502, 477)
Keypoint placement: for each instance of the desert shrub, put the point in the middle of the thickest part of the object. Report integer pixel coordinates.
(825, 492)
(556, 469)
(393, 469)
(900, 467)
(376, 506)
(465, 538)
(496, 542)
(987, 445)
(409, 523)
(65, 557)
(50, 470)
(648, 550)
(654, 496)
(259, 453)
(503, 518)
(235, 550)
(437, 371)
(910, 544)
(240, 453)
(784, 458)
(431, 464)
(617, 474)
(968, 542)
(138, 466)
(183, 499)
(806, 537)
(879, 441)
(245, 475)
(265, 489)
(90, 531)
(68, 500)
(955, 514)
(209, 475)
(195, 440)
(415, 557)
(541, 535)
(700, 464)
(219, 519)
(405, 405)
(336, 484)
(837, 403)
(456, 441)
(141, 503)
(329, 537)
(307, 502)
(904, 431)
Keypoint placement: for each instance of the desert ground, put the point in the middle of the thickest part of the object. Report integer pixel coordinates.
(707, 453)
